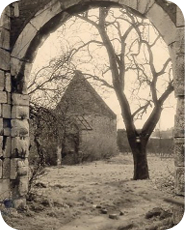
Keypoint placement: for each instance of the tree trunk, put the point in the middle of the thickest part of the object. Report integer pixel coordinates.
(140, 160)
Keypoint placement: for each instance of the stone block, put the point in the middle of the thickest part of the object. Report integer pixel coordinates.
(15, 65)
(5, 19)
(132, 4)
(2, 80)
(8, 11)
(180, 106)
(0, 111)
(22, 169)
(6, 168)
(20, 128)
(42, 17)
(23, 186)
(4, 38)
(3, 97)
(5, 60)
(1, 170)
(20, 99)
(20, 147)
(9, 98)
(5, 189)
(179, 76)
(179, 43)
(20, 112)
(8, 83)
(24, 40)
(15, 9)
(179, 118)
(179, 152)
(179, 17)
(7, 132)
(143, 6)
(7, 147)
(162, 22)
(14, 167)
(6, 111)
(180, 181)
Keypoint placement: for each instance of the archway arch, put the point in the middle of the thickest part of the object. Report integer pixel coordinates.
(56, 12)
(47, 16)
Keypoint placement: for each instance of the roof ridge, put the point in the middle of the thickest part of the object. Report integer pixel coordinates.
(79, 76)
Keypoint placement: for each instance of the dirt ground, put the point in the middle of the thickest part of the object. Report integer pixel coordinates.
(83, 196)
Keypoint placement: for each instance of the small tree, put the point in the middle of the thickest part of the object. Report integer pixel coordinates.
(45, 88)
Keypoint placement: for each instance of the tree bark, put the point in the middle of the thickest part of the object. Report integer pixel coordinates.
(136, 141)
(140, 160)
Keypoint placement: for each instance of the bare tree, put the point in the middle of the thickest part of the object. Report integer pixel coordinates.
(48, 84)
(123, 56)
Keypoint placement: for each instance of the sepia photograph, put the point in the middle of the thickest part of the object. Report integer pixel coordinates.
(92, 115)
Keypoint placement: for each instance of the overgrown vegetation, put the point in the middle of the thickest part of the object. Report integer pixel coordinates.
(95, 150)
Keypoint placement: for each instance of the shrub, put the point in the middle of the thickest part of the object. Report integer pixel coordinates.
(96, 149)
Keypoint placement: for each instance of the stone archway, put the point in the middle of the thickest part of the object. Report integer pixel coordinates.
(24, 35)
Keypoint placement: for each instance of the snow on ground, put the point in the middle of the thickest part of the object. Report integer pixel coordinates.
(69, 196)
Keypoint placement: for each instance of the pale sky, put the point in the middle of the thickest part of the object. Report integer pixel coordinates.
(56, 44)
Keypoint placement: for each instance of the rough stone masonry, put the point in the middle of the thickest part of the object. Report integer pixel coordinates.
(23, 26)
(14, 126)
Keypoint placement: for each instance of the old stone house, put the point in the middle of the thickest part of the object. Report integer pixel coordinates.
(90, 128)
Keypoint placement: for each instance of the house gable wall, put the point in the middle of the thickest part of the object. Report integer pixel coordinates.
(80, 99)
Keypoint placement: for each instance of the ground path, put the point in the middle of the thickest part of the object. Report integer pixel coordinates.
(70, 193)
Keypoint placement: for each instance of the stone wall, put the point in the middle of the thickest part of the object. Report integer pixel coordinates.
(14, 115)
(100, 142)
(5, 105)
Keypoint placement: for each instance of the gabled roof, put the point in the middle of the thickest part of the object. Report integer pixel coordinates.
(79, 78)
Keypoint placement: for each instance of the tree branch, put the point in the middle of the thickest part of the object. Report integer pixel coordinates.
(162, 71)
(142, 108)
